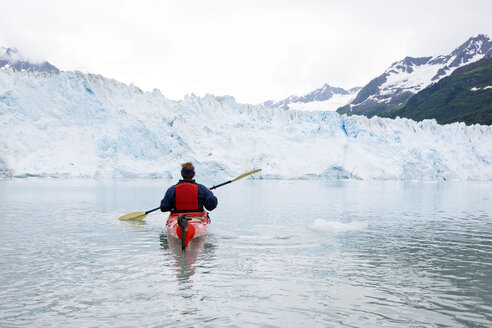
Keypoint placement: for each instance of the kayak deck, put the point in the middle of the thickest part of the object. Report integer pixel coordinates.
(197, 223)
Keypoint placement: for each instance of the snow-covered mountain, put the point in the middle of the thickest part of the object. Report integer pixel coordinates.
(11, 58)
(326, 98)
(406, 77)
(68, 124)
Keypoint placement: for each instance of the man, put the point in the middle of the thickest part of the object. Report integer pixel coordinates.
(187, 195)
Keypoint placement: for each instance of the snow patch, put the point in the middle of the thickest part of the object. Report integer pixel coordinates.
(420, 77)
(478, 88)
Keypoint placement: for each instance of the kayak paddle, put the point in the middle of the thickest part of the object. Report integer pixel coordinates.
(143, 215)
(235, 179)
(136, 215)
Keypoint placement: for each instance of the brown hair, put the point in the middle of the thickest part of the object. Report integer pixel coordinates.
(187, 170)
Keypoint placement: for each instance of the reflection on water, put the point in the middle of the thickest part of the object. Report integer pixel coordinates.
(278, 253)
(138, 225)
(185, 262)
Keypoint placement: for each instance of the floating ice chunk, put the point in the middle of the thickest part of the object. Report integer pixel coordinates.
(334, 226)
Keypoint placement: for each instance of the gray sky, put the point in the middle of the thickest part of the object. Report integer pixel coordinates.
(252, 50)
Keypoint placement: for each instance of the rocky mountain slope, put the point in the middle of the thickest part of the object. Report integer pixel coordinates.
(464, 96)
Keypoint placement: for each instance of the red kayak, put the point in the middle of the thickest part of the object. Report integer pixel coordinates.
(193, 223)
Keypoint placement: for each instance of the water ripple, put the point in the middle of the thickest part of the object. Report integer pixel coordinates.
(383, 256)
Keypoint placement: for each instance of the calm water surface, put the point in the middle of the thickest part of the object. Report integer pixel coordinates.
(278, 254)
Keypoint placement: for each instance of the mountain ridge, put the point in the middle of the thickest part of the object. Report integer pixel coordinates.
(11, 58)
(321, 94)
(406, 77)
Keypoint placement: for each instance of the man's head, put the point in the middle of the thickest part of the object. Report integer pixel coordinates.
(187, 171)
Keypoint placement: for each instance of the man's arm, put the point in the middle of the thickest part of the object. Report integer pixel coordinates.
(167, 203)
(208, 199)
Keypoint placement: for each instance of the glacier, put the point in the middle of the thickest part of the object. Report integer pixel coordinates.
(75, 125)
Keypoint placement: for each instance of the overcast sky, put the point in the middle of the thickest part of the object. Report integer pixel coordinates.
(252, 50)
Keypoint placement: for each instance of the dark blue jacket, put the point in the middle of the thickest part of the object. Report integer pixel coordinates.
(205, 198)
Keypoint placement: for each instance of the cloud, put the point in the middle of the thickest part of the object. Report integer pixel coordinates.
(253, 50)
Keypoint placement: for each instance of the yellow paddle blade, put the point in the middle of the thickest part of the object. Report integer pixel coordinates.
(133, 216)
(245, 174)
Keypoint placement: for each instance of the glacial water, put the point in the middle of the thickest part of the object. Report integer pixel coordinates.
(277, 254)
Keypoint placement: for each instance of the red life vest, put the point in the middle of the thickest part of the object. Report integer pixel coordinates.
(186, 196)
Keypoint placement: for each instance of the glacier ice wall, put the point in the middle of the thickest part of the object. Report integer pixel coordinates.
(69, 124)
